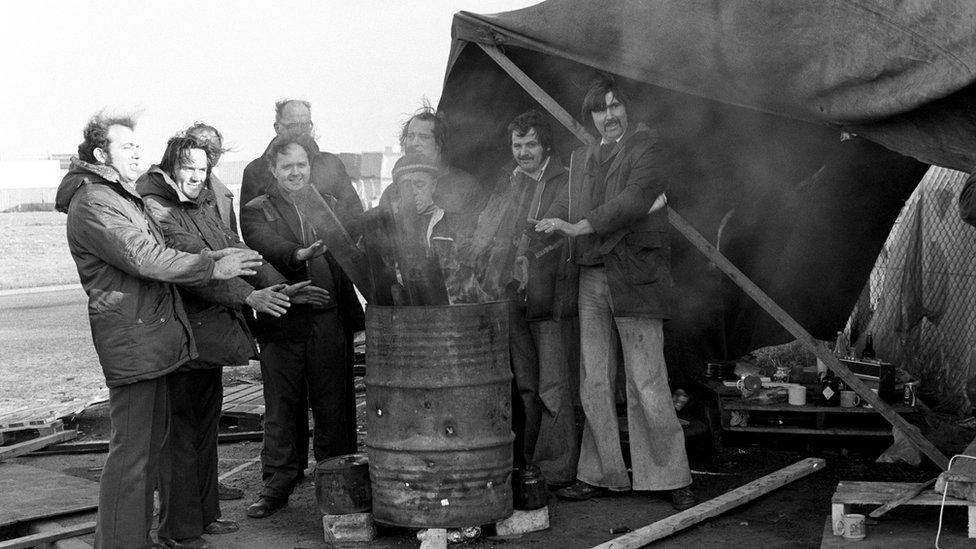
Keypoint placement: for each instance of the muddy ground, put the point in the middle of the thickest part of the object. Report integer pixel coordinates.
(792, 516)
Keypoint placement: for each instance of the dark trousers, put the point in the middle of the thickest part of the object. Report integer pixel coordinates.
(188, 465)
(139, 413)
(297, 373)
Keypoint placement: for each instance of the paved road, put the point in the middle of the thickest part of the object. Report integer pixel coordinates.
(46, 351)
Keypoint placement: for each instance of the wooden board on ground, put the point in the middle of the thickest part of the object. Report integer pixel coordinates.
(715, 506)
(26, 447)
(35, 540)
(28, 493)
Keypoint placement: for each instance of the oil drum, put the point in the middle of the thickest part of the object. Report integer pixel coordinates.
(438, 414)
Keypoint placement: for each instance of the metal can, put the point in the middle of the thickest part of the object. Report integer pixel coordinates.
(910, 388)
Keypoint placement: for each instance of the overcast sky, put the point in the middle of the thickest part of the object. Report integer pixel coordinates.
(365, 66)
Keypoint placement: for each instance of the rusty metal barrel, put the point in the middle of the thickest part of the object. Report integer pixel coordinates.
(438, 414)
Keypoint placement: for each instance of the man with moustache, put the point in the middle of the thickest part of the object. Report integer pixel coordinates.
(532, 271)
(328, 174)
(139, 326)
(305, 358)
(177, 193)
(617, 218)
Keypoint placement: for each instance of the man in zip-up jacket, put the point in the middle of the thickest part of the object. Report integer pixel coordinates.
(177, 193)
(305, 357)
(139, 327)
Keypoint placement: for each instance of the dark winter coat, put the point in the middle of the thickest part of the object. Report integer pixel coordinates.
(273, 226)
(967, 201)
(138, 322)
(504, 232)
(192, 225)
(633, 243)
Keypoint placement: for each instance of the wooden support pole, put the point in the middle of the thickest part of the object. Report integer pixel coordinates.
(912, 433)
(538, 93)
(715, 506)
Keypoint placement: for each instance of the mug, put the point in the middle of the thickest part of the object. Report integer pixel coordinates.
(852, 526)
(797, 395)
(849, 399)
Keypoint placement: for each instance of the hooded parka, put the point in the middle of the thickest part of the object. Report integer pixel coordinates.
(139, 326)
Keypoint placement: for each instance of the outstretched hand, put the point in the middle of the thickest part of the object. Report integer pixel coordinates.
(303, 254)
(270, 301)
(303, 293)
(233, 262)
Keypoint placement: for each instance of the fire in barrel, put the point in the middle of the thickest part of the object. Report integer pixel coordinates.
(438, 409)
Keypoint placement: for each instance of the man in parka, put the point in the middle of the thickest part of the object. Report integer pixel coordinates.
(177, 193)
(621, 243)
(140, 329)
(305, 356)
(533, 271)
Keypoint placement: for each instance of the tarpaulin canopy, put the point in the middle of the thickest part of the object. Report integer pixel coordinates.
(755, 97)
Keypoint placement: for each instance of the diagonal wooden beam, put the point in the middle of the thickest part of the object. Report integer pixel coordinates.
(911, 432)
(538, 93)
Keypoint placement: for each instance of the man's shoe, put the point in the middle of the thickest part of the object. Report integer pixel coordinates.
(683, 498)
(580, 491)
(221, 527)
(225, 492)
(265, 506)
(185, 543)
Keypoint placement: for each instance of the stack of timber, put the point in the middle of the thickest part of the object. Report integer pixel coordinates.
(244, 404)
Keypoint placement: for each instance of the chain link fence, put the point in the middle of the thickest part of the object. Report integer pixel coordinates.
(920, 302)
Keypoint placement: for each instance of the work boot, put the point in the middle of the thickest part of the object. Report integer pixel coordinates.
(683, 498)
(195, 542)
(580, 491)
(220, 526)
(265, 506)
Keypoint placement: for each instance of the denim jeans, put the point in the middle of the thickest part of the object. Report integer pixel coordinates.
(540, 362)
(657, 449)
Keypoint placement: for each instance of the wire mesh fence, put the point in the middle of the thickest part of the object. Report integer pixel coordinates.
(920, 301)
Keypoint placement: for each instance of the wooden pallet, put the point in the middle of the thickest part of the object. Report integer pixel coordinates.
(24, 440)
(878, 493)
(245, 404)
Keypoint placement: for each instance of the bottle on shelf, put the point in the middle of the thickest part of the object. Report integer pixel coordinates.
(868, 352)
(829, 390)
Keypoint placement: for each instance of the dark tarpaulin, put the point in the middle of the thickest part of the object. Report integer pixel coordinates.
(753, 96)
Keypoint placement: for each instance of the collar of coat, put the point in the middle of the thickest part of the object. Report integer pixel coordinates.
(593, 151)
(161, 184)
(80, 173)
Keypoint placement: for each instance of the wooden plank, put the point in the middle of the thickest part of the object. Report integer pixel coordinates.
(231, 392)
(45, 526)
(912, 434)
(89, 446)
(34, 540)
(905, 497)
(29, 493)
(540, 95)
(244, 394)
(877, 493)
(837, 431)
(715, 506)
(26, 447)
(742, 405)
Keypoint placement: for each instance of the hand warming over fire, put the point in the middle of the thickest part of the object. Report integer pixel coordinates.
(551, 225)
(303, 254)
